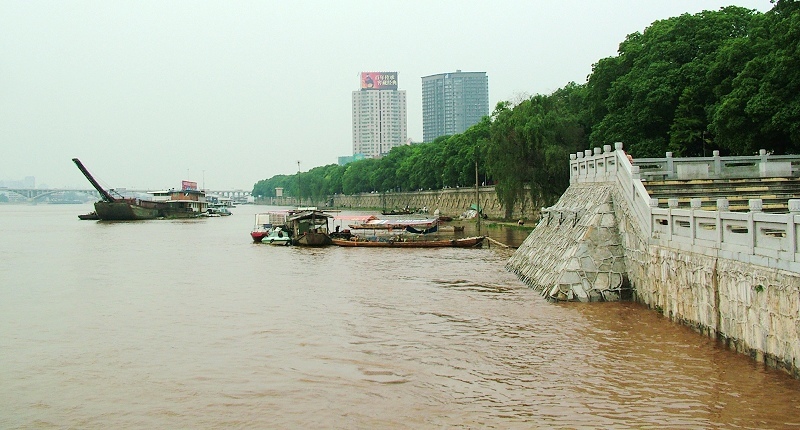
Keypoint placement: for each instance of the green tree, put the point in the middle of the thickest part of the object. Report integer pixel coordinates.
(762, 109)
(357, 177)
(657, 90)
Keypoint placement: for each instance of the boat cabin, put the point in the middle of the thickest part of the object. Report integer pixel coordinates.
(182, 200)
(310, 228)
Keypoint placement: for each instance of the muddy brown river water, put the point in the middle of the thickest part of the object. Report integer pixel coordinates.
(187, 324)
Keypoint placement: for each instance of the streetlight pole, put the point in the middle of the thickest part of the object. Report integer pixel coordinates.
(299, 194)
(477, 196)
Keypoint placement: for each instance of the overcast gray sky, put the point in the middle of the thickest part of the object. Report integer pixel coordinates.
(226, 93)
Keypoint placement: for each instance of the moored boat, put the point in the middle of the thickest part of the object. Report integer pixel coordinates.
(128, 209)
(402, 242)
(217, 210)
(373, 223)
(309, 228)
(90, 216)
(266, 223)
(184, 203)
(187, 202)
(277, 236)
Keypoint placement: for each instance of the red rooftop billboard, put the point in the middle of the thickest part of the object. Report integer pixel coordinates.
(378, 80)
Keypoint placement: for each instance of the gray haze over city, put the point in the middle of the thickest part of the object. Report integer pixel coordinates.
(227, 93)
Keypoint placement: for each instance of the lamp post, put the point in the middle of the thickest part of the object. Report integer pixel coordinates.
(299, 194)
(477, 196)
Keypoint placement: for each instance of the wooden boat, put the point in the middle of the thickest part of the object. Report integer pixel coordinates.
(309, 228)
(465, 242)
(185, 203)
(390, 224)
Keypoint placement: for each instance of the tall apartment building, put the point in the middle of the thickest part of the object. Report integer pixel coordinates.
(379, 115)
(453, 102)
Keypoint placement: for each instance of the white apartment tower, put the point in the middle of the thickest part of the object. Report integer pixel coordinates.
(379, 115)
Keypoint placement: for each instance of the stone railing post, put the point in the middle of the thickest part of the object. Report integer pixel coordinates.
(717, 164)
(670, 166)
(598, 174)
(723, 205)
(756, 205)
(635, 174)
(607, 155)
(672, 203)
(695, 204)
(574, 169)
(791, 230)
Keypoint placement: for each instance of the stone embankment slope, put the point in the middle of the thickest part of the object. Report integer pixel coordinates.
(575, 252)
(729, 272)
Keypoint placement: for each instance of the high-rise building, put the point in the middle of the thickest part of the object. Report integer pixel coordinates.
(379, 115)
(453, 102)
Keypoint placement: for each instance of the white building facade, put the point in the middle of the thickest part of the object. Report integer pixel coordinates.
(379, 115)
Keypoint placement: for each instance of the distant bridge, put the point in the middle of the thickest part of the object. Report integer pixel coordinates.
(44, 194)
(34, 195)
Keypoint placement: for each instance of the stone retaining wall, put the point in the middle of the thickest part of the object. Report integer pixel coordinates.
(450, 202)
(753, 309)
(606, 243)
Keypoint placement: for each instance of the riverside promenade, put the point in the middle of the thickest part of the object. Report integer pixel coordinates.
(674, 235)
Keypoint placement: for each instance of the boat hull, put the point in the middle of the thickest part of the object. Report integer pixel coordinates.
(124, 211)
(89, 216)
(282, 241)
(467, 242)
(258, 236)
(313, 239)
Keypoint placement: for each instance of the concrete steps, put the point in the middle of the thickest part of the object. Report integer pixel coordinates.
(774, 192)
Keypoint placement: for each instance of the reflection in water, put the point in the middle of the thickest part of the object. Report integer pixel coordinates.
(165, 324)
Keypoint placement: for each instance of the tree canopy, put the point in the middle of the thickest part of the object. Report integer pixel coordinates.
(726, 80)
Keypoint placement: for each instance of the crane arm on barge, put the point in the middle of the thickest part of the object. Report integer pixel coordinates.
(106, 196)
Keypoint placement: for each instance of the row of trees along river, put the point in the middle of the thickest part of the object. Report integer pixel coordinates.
(726, 80)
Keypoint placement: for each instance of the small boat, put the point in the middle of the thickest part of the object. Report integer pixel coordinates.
(267, 223)
(277, 236)
(390, 224)
(217, 210)
(401, 242)
(90, 216)
(309, 228)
